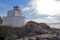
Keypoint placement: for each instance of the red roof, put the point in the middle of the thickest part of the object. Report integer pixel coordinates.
(16, 6)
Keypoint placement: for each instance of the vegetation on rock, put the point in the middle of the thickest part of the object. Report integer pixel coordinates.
(0, 20)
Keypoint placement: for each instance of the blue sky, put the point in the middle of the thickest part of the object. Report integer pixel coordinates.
(47, 11)
(6, 5)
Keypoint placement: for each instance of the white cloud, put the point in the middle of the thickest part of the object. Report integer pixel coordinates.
(57, 0)
(46, 20)
(50, 8)
(55, 25)
(51, 22)
(26, 9)
(46, 7)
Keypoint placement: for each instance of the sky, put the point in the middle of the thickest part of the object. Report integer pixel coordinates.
(46, 11)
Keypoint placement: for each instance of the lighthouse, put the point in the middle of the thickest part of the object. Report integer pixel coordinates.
(14, 18)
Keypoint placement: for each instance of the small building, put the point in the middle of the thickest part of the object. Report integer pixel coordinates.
(14, 18)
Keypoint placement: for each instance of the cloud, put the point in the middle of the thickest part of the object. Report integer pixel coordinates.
(46, 7)
(26, 9)
(55, 25)
(46, 20)
(57, 0)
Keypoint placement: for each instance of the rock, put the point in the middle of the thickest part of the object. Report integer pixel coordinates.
(30, 29)
(38, 28)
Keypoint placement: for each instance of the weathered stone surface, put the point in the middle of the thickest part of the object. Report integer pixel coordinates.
(30, 29)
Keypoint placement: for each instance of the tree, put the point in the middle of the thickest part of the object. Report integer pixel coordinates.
(0, 20)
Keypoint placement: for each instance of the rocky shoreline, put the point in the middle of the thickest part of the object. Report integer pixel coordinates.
(30, 31)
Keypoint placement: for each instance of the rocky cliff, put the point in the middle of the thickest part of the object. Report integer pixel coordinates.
(34, 28)
(30, 29)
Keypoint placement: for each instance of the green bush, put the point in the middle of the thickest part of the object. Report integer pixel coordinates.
(0, 20)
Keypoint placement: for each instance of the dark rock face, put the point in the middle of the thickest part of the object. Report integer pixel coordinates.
(2, 38)
(37, 28)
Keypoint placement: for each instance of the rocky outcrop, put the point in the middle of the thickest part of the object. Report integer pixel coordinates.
(30, 29)
(37, 28)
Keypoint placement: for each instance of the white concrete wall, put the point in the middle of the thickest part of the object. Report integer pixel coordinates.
(7, 21)
(11, 13)
(14, 13)
(18, 21)
(14, 21)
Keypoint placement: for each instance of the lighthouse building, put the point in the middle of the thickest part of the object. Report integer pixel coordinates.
(14, 18)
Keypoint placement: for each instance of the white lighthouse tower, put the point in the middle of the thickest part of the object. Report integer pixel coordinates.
(14, 18)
